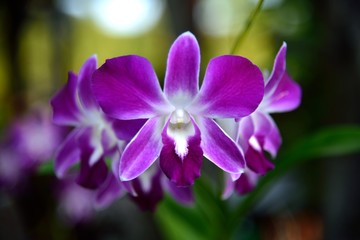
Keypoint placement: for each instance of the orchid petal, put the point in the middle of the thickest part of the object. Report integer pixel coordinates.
(278, 70)
(286, 97)
(219, 148)
(127, 88)
(182, 73)
(90, 142)
(109, 191)
(65, 107)
(247, 182)
(273, 139)
(85, 92)
(245, 131)
(148, 198)
(229, 187)
(93, 169)
(127, 129)
(257, 162)
(262, 124)
(233, 87)
(142, 151)
(91, 176)
(68, 154)
(181, 168)
(266, 131)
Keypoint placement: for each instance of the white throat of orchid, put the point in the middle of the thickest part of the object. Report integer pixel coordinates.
(255, 143)
(180, 129)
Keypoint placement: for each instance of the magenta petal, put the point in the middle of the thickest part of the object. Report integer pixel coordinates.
(109, 191)
(68, 154)
(286, 97)
(147, 199)
(233, 87)
(267, 130)
(127, 88)
(85, 92)
(228, 188)
(257, 161)
(64, 103)
(92, 177)
(262, 124)
(219, 148)
(278, 70)
(273, 141)
(127, 129)
(246, 183)
(182, 73)
(245, 131)
(142, 151)
(181, 171)
(93, 172)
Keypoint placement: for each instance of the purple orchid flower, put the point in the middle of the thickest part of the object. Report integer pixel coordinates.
(35, 137)
(95, 136)
(180, 129)
(29, 142)
(79, 204)
(75, 203)
(258, 132)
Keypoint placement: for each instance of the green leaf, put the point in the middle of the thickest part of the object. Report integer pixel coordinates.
(180, 222)
(330, 142)
(205, 219)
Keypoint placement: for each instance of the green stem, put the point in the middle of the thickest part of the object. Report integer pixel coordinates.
(240, 38)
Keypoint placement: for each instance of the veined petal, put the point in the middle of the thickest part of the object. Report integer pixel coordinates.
(68, 154)
(181, 155)
(127, 88)
(219, 148)
(143, 150)
(233, 87)
(64, 104)
(286, 97)
(182, 73)
(278, 70)
(85, 92)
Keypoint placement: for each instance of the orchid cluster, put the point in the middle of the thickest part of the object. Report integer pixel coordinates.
(131, 137)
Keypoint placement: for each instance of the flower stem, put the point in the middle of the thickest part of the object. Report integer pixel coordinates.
(240, 38)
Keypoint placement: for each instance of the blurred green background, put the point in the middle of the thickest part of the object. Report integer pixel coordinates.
(42, 40)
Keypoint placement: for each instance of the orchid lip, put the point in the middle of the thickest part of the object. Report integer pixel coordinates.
(180, 128)
(179, 117)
